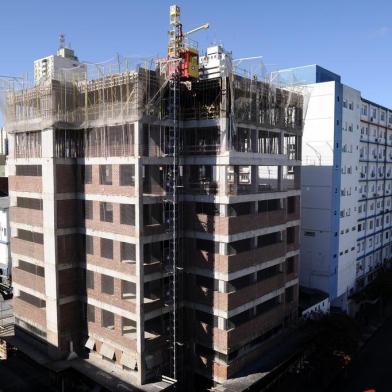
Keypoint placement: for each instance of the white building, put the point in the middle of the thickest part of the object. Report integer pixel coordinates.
(64, 66)
(346, 186)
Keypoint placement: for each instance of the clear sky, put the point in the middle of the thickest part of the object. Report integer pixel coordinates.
(349, 37)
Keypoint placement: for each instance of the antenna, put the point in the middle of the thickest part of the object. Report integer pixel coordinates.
(61, 41)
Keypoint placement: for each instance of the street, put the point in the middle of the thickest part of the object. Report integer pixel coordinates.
(372, 370)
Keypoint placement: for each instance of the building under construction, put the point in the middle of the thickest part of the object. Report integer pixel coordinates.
(155, 214)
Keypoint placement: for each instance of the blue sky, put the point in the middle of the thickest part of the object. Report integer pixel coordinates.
(351, 38)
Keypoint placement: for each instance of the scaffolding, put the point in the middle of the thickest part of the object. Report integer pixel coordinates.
(95, 118)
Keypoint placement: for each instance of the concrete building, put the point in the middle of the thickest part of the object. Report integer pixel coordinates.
(346, 186)
(5, 254)
(62, 66)
(90, 179)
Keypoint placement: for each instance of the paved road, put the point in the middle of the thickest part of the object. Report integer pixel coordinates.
(373, 370)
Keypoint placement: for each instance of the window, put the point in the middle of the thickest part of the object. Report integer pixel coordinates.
(28, 170)
(310, 233)
(106, 212)
(32, 300)
(107, 319)
(289, 294)
(127, 175)
(31, 236)
(128, 252)
(88, 209)
(106, 248)
(105, 174)
(90, 313)
(27, 202)
(107, 284)
(290, 235)
(291, 204)
(89, 245)
(87, 174)
(128, 327)
(31, 268)
(290, 265)
(90, 279)
(127, 214)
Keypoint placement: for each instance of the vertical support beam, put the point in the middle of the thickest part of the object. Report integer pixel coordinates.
(139, 252)
(50, 235)
(223, 121)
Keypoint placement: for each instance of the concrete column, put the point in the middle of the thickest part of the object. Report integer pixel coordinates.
(139, 252)
(222, 183)
(223, 121)
(49, 231)
(223, 210)
(222, 286)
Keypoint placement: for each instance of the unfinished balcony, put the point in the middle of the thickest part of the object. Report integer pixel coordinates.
(30, 307)
(155, 256)
(202, 141)
(154, 219)
(153, 294)
(240, 254)
(237, 292)
(28, 243)
(154, 180)
(242, 217)
(28, 178)
(29, 275)
(201, 180)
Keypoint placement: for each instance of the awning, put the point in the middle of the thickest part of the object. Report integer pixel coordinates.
(107, 351)
(90, 343)
(129, 360)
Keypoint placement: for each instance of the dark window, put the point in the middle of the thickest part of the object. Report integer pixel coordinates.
(31, 236)
(127, 175)
(267, 305)
(128, 252)
(290, 235)
(87, 174)
(105, 174)
(290, 265)
(32, 300)
(27, 202)
(204, 281)
(90, 279)
(236, 247)
(107, 284)
(268, 239)
(106, 212)
(31, 268)
(88, 209)
(127, 214)
(207, 245)
(89, 245)
(291, 204)
(106, 248)
(107, 319)
(210, 209)
(289, 294)
(268, 205)
(90, 313)
(268, 272)
(28, 170)
(238, 209)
